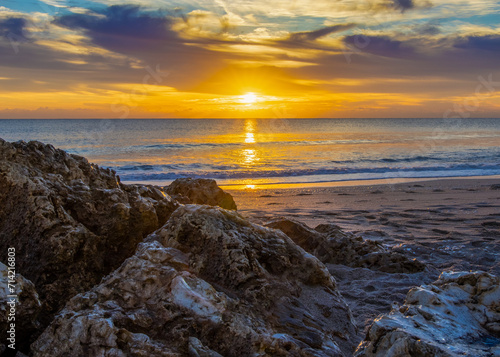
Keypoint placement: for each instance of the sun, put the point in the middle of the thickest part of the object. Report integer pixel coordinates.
(248, 98)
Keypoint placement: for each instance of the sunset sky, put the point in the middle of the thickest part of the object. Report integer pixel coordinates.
(244, 58)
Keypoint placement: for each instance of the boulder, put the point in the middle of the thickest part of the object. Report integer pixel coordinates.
(70, 222)
(208, 283)
(332, 245)
(200, 191)
(458, 315)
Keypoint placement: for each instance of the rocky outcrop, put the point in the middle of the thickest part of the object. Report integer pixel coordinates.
(332, 245)
(19, 304)
(70, 222)
(200, 191)
(209, 283)
(458, 315)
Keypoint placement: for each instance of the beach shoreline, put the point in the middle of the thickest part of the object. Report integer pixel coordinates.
(367, 195)
(250, 186)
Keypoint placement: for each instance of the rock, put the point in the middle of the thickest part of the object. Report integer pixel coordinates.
(495, 187)
(70, 222)
(209, 283)
(27, 307)
(200, 191)
(332, 245)
(458, 315)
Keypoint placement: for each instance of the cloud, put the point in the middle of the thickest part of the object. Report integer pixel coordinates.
(149, 38)
(305, 45)
(118, 23)
(316, 34)
(404, 5)
(13, 28)
(427, 29)
(378, 45)
(484, 43)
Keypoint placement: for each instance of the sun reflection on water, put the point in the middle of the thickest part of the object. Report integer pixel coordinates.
(249, 155)
(249, 138)
(249, 126)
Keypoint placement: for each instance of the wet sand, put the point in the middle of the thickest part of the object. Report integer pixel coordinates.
(449, 224)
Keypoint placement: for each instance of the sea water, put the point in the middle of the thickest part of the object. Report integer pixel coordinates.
(256, 151)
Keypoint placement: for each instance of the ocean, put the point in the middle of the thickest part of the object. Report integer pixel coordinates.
(274, 151)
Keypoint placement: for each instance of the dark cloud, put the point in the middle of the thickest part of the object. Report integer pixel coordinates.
(404, 5)
(427, 29)
(121, 26)
(400, 5)
(378, 45)
(485, 43)
(307, 39)
(417, 58)
(13, 28)
(314, 35)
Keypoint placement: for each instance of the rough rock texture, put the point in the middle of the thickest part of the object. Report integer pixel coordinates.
(200, 191)
(70, 222)
(209, 283)
(332, 245)
(458, 315)
(27, 307)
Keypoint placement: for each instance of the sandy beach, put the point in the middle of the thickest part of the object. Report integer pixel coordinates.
(449, 224)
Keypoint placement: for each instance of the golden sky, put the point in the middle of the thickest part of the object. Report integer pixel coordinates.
(249, 59)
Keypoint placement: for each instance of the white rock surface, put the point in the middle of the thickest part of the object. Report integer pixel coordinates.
(458, 315)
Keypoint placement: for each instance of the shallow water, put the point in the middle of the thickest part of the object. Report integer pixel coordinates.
(252, 151)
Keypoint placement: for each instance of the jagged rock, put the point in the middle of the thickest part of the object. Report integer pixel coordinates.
(458, 315)
(495, 187)
(209, 283)
(70, 222)
(332, 245)
(26, 306)
(200, 191)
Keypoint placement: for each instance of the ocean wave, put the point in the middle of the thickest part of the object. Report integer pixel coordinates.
(202, 145)
(337, 173)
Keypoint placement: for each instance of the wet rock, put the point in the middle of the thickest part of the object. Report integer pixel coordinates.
(26, 307)
(200, 191)
(458, 315)
(70, 221)
(332, 245)
(209, 283)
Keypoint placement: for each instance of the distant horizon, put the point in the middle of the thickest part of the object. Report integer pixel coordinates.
(269, 118)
